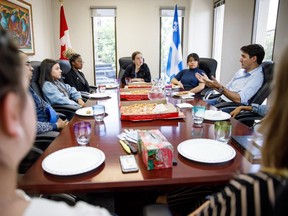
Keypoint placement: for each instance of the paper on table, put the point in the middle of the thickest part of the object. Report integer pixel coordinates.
(160, 108)
(184, 105)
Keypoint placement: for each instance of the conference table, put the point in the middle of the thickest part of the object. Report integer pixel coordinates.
(109, 177)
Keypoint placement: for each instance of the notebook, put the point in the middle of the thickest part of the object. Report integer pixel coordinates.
(247, 146)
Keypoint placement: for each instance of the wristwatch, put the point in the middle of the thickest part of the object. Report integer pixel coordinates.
(221, 89)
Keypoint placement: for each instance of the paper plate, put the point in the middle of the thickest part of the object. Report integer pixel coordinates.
(178, 94)
(213, 115)
(111, 86)
(86, 111)
(73, 160)
(206, 151)
(99, 95)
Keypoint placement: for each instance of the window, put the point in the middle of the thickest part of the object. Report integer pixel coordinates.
(166, 21)
(219, 8)
(264, 25)
(104, 44)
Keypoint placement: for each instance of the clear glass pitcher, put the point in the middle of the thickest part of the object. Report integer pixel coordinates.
(157, 91)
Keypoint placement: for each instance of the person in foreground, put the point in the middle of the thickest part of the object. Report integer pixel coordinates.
(245, 83)
(186, 78)
(76, 78)
(56, 92)
(257, 193)
(17, 131)
(138, 71)
(47, 118)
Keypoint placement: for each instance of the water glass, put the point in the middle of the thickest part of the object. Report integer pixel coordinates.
(223, 130)
(198, 113)
(82, 131)
(98, 112)
(102, 88)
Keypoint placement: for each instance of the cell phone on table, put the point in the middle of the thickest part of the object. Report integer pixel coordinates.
(128, 163)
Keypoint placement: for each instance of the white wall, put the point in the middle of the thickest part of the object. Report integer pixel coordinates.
(238, 22)
(281, 38)
(43, 31)
(200, 28)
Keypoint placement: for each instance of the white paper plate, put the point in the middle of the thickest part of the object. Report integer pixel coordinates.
(99, 95)
(206, 151)
(111, 86)
(213, 115)
(86, 111)
(189, 94)
(73, 160)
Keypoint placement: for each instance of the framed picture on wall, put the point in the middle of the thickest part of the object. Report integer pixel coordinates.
(16, 18)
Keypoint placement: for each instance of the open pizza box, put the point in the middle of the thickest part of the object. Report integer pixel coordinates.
(134, 94)
(138, 85)
(148, 110)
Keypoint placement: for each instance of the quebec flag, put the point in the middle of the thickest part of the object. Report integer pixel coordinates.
(174, 64)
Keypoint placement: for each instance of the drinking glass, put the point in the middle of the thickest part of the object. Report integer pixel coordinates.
(198, 113)
(98, 112)
(223, 130)
(82, 131)
(102, 88)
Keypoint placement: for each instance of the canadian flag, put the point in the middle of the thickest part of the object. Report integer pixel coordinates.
(64, 34)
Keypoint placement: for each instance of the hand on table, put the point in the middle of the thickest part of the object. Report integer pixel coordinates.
(61, 124)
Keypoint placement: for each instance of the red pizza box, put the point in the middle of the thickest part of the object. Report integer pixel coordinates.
(148, 110)
(134, 94)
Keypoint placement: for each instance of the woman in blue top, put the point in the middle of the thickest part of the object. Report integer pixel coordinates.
(55, 91)
(186, 79)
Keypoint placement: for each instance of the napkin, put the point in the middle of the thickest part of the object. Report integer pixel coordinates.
(184, 105)
(160, 108)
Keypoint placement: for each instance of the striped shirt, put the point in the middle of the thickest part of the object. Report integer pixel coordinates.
(247, 195)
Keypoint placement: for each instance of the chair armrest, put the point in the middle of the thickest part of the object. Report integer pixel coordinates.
(68, 110)
(62, 116)
(248, 116)
(93, 87)
(229, 105)
(156, 210)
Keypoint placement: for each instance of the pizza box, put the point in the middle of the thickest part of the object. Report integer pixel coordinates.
(139, 85)
(148, 110)
(134, 94)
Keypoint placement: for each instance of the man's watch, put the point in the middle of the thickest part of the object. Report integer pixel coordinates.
(221, 89)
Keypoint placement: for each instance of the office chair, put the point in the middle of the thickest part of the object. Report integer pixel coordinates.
(67, 110)
(42, 141)
(261, 94)
(123, 63)
(209, 65)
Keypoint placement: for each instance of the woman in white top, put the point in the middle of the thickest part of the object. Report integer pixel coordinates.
(17, 131)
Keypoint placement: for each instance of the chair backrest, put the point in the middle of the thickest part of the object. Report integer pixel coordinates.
(65, 67)
(35, 78)
(264, 91)
(209, 65)
(123, 63)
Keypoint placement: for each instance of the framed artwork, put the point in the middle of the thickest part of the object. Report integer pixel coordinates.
(16, 18)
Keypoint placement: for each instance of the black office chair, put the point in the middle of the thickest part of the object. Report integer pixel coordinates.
(261, 94)
(67, 110)
(42, 141)
(123, 63)
(209, 65)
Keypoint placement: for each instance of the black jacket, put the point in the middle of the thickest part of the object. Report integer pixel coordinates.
(144, 73)
(73, 80)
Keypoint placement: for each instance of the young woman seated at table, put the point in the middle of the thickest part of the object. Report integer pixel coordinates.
(137, 71)
(56, 92)
(75, 77)
(17, 131)
(186, 78)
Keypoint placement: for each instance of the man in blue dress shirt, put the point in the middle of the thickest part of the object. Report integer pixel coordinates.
(247, 80)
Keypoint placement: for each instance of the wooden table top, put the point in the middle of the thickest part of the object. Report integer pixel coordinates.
(109, 177)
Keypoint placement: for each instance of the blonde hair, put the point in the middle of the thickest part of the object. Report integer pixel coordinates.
(274, 125)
